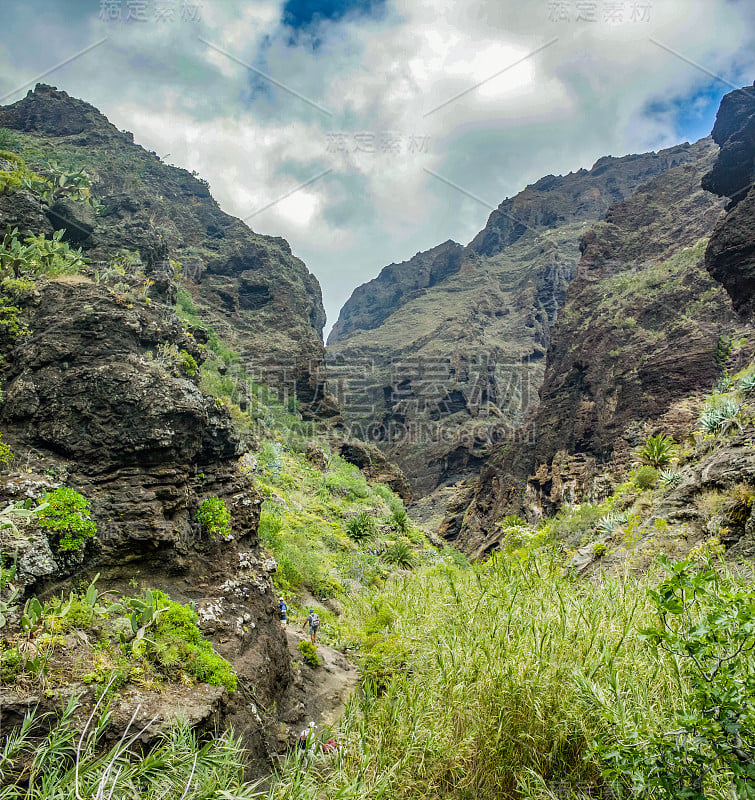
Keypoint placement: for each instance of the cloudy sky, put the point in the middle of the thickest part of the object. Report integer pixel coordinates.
(364, 131)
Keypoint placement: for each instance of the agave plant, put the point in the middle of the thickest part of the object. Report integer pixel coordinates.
(670, 477)
(747, 382)
(607, 524)
(720, 415)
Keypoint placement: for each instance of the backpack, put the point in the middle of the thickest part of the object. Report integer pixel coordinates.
(315, 621)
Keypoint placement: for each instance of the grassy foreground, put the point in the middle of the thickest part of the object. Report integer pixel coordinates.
(497, 681)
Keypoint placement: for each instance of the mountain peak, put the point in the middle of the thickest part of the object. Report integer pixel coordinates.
(48, 110)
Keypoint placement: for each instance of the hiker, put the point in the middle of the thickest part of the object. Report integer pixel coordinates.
(282, 609)
(313, 620)
(304, 737)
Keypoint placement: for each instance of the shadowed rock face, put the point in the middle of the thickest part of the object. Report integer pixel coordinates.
(250, 287)
(638, 334)
(440, 357)
(730, 257)
(92, 401)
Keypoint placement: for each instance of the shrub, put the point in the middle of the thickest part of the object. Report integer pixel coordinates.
(399, 554)
(309, 653)
(361, 527)
(10, 664)
(187, 363)
(739, 504)
(179, 361)
(645, 477)
(214, 517)
(66, 518)
(708, 625)
(174, 643)
(6, 454)
(656, 451)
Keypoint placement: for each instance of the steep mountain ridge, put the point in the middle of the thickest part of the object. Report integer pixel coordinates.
(262, 298)
(441, 356)
(644, 332)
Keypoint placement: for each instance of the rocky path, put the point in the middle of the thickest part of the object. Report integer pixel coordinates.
(318, 694)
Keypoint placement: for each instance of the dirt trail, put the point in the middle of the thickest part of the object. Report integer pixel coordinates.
(318, 694)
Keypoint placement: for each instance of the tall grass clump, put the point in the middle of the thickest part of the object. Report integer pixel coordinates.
(47, 758)
(486, 682)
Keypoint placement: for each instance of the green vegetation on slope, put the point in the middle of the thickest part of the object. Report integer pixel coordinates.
(511, 680)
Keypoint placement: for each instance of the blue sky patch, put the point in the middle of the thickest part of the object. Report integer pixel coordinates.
(299, 14)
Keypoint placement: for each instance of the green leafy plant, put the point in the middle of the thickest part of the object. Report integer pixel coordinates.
(63, 183)
(37, 255)
(6, 454)
(214, 517)
(399, 554)
(309, 653)
(178, 360)
(645, 477)
(65, 517)
(68, 755)
(400, 520)
(709, 625)
(361, 527)
(657, 451)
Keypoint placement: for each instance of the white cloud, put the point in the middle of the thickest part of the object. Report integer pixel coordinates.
(599, 89)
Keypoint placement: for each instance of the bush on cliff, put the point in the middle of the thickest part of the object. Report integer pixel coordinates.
(66, 518)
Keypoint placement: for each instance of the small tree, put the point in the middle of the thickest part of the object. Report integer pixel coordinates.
(214, 517)
(65, 516)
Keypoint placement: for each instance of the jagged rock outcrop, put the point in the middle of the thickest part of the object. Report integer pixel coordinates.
(639, 334)
(101, 393)
(730, 257)
(250, 287)
(439, 358)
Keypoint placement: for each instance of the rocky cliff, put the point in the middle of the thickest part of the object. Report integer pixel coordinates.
(643, 332)
(101, 389)
(259, 296)
(730, 257)
(441, 356)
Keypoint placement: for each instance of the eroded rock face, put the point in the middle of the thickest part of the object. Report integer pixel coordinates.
(638, 334)
(263, 300)
(730, 257)
(100, 395)
(439, 359)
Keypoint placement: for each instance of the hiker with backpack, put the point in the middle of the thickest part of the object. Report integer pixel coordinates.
(282, 609)
(306, 738)
(313, 620)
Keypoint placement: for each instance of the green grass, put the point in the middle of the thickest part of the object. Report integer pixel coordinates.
(495, 682)
(48, 757)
